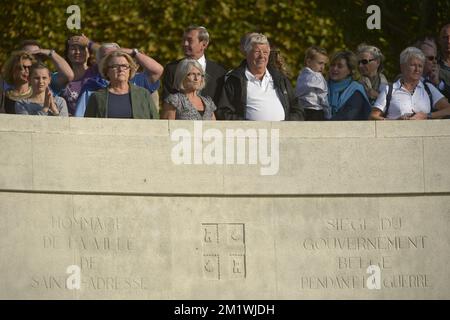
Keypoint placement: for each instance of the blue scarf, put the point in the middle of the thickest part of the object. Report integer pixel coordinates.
(340, 91)
(95, 83)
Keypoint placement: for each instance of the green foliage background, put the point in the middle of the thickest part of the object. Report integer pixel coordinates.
(156, 27)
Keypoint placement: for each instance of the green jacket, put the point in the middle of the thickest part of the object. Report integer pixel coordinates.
(142, 104)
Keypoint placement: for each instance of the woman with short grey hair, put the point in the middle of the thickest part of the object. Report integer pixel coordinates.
(104, 65)
(370, 62)
(187, 103)
(409, 98)
(121, 98)
(410, 53)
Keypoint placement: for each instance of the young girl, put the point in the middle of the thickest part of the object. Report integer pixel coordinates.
(312, 88)
(41, 102)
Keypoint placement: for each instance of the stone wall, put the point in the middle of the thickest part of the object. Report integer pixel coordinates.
(108, 197)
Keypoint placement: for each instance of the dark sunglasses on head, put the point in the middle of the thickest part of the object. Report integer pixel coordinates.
(365, 61)
(431, 58)
(23, 67)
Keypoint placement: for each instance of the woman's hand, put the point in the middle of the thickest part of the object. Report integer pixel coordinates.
(372, 93)
(405, 116)
(49, 103)
(41, 53)
(433, 75)
(419, 116)
(376, 114)
(169, 112)
(46, 101)
(80, 40)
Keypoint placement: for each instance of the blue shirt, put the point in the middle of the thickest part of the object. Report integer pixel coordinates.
(119, 106)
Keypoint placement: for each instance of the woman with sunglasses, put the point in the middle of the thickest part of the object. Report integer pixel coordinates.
(188, 104)
(370, 63)
(15, 86)
(121, 99)
(346, 96)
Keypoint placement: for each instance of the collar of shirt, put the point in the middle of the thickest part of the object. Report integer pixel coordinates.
(398, 84)
(250, 77)
(202, 62)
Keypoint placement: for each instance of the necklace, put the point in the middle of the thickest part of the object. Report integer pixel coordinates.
(14, 95)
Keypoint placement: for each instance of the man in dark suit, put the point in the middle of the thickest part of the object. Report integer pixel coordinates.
(195, 42)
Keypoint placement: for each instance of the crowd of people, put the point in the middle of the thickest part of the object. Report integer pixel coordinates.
(102, 80)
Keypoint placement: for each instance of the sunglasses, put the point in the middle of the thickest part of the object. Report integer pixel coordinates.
(365, 61)
(432, 58)
(23, 67)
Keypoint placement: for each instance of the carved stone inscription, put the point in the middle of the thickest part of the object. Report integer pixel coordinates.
(223, 251)
(98, 243)
(354, 244)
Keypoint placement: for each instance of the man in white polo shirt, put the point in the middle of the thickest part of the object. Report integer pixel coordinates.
(254, 92)
(409, 98)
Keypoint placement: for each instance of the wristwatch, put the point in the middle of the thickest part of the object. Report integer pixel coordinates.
(134, 52)
(50, 53)
(429, 116)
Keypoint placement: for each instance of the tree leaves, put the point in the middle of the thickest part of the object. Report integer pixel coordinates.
(156, 27)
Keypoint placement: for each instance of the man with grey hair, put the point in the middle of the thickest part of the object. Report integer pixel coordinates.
(195, 43)
(431, 66)
(444, 59)
(149, 79)
(409, 98)
(254, 91)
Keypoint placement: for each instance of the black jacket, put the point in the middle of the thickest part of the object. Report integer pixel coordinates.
(233, 100)
(214, 80)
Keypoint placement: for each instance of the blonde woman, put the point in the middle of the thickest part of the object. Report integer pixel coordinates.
(15, 86)
(370, 64)
(188, 104)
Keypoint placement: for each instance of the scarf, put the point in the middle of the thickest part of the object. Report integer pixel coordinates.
(340, 91)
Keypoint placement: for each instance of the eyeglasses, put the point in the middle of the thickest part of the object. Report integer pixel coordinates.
(197, 75)
(365, 61)
(432, 58)
(119, 66)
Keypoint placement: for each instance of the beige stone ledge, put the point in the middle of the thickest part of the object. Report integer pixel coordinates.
(134, 157)
(398, 129)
